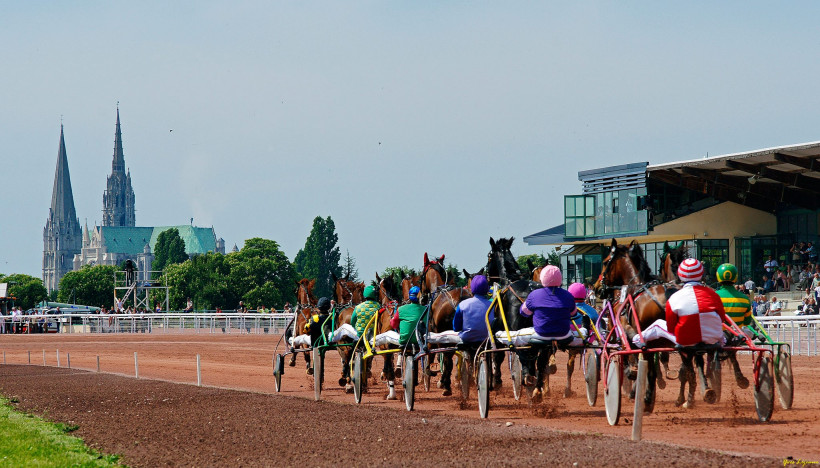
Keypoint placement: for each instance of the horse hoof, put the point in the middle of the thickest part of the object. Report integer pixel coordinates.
(309, 371)
(291, 363)
(568, 393)
(446, 392)
(439, 384)
(529, 380)
(678, 402)
(710, 396)
(497, 384)
(553, 369)
(342, 382)
(391, 397)
(382, 377)
(661, 383)
(348, 388)
(536, 396)
(672, 375)
(689, 405)
(742, 382)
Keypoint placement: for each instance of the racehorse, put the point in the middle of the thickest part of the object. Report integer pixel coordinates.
(305, 301)
(408, 280)
(625, 267)
(389, 300)
(671, 258)
(503, 269)
(347, 295)
(442, 311)
(535, 271)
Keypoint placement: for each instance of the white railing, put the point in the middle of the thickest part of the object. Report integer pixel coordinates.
(148, 323)
(799, 331)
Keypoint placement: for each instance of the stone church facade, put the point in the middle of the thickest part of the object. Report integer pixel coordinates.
(66, 247)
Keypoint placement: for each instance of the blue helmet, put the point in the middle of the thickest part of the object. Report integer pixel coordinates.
(414, 293)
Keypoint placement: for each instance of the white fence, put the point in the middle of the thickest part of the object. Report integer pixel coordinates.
(149, 323)
(800, 332)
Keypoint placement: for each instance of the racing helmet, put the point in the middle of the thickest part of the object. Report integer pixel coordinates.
(578, 291)
(727, 273)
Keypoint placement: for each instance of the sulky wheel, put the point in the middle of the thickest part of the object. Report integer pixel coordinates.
(278, 370)
(785, 378)
(358, 376)
(483, 384)
(318, 373)
(466, 374)
(517, 374)
(591, 376)
(764, 389)
(612, 392)
(409, 381)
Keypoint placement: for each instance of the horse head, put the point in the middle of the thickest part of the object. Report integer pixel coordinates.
(408, 281)
(388, 291)
(671, 258)
(304, 292)
(433, 275)
(501, 264)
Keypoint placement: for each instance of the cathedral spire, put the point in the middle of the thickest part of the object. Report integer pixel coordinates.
(118, 164)
(62, 198)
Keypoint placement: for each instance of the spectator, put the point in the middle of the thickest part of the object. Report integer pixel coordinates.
(768, 285)
(775, 307)
(811, 253)
(762, 306)
(750, 285)
(58, 312)
(219, 311)
(797, 254)
(771, 265)
(189, 306)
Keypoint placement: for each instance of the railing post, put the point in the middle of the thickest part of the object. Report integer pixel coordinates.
(98, 363)
(136, 366)
(198, 372)
(58, 358)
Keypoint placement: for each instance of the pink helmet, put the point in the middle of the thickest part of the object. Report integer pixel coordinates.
(551, 276)
(578, 291)
(690, 270)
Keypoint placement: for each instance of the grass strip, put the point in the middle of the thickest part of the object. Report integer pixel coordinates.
(30, 441)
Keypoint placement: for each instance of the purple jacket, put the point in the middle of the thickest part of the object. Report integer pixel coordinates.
(470, 319)
(551, 309)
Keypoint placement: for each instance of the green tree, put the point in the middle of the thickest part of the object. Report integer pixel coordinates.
(27, 290)
(261, 274)
(90, 285)
(537, 260)
(169, 249)
(349, 269)
(320, 256)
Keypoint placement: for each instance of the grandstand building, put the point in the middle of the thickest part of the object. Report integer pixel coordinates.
(737, 208)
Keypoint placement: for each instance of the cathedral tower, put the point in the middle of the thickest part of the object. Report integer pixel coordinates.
(62, 237)
(118, 198)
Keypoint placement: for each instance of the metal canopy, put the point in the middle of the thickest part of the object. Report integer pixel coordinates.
(763, 179)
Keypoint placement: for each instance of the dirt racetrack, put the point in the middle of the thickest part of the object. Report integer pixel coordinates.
(127, 416)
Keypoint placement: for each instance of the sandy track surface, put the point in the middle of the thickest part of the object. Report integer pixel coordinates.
(244, 362)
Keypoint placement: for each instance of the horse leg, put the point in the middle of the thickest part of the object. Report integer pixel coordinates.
(570, 368)
(498, 360)
(683, 377)
(389, 373)
(663, 359)
(553, 365)
(446, 372)
(542, 383)
(344, 380)
(709, 395)
(652, 376)
(742, 381)
(292, 362)
(309, 368)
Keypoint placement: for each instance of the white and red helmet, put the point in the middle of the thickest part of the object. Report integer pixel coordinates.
(690, 270)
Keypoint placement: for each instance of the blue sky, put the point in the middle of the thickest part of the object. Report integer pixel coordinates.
(418, 126)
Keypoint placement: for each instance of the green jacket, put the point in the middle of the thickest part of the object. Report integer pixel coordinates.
(408, 316)
(362, 315)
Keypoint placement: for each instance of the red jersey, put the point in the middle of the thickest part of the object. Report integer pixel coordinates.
(695, 315)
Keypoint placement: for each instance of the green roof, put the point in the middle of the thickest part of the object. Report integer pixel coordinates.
(132, 240)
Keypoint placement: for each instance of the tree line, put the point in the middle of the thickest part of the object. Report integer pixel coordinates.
(259, 274)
